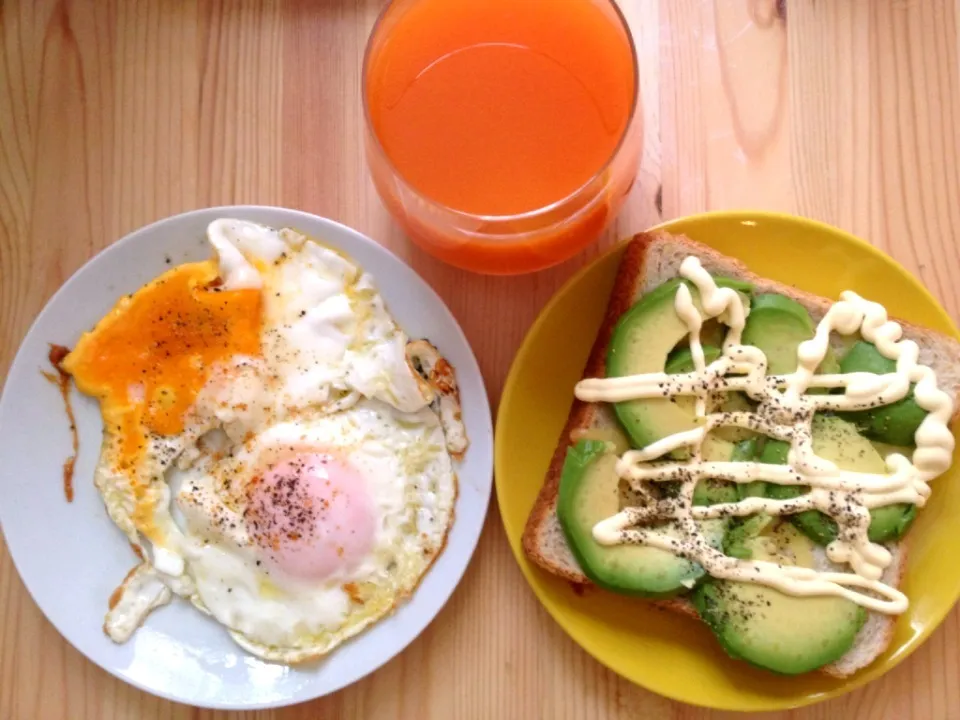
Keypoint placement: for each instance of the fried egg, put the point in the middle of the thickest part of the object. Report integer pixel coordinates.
(274, 447)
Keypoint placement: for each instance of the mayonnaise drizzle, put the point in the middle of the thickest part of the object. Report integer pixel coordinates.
(785, 412)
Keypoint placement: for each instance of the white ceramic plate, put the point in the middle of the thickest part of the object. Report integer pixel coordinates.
(71, 557)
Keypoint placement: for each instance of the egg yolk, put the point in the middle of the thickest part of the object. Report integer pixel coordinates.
(150, 356)
(312, 515)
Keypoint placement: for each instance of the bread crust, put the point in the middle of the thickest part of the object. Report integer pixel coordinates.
(636, 275)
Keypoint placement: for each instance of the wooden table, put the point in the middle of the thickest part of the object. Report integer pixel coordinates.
(117, 113)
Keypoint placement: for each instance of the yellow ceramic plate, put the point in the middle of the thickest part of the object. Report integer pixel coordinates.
(672, 655)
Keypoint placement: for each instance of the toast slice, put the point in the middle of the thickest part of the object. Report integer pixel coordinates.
(649, 260)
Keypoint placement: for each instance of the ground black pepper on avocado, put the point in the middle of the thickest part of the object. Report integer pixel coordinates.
(784, 633)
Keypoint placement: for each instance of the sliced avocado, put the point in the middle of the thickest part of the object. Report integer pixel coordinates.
(814, 524)
(829, 366)
(896, 423)
(777, 325)
(757, 488)
(745, 451)
(709, 491)
(712, 332)
(891, 522)
(713, 492)
(737, 541)
(838, 441)
(735, 402)
(589, 493)
(681, 360)
(781, 303)
(784, 633)
(863, 356)
(611, 434)
(642, 339)
(886, 449)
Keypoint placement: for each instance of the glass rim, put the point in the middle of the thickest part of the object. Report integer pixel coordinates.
(530, 214)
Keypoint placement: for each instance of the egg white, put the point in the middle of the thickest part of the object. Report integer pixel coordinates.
(403, 461)
(333, 373)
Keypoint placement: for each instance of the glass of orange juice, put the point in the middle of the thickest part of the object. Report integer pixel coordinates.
(503, 135)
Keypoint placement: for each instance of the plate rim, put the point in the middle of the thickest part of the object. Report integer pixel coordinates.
(243, 211)
(510, 388)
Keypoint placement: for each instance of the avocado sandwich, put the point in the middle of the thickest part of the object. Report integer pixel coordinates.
(751, 455)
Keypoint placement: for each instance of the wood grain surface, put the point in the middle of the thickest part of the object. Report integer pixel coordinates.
(114, 113)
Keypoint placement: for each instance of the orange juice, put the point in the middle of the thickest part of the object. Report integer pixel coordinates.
(491, 119)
